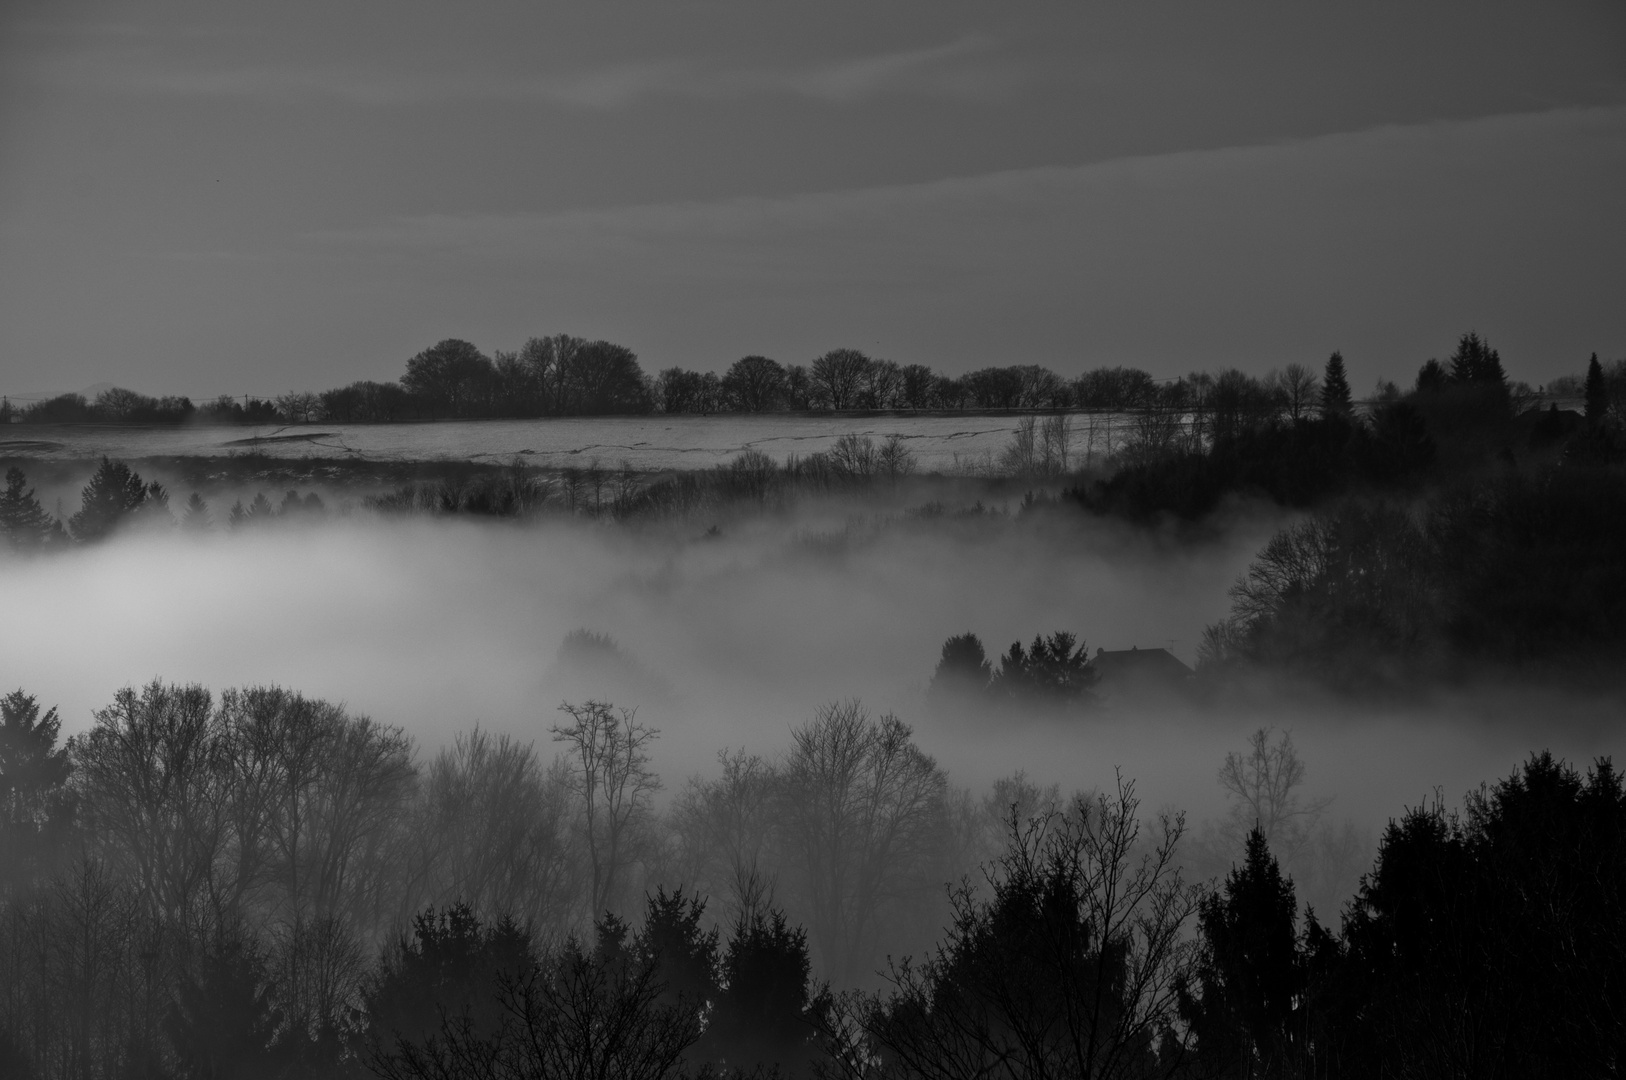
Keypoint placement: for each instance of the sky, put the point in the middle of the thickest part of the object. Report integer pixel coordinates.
(255, 198)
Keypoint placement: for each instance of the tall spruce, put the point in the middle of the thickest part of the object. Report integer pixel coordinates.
(1597, 393)
(1431, 377)
(1475, 362)
(26, 525)
(34, 770)
(196, 517)
(1335, 396)
(113, 495)
(1249, 972)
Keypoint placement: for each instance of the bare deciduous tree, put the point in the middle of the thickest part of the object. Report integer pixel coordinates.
(863, 813)
(613, 784)
(1056, 444)
(1263, 783)
(725, 831)
(837, 377)
(494, 831)
(156, 797)
(1300, 389)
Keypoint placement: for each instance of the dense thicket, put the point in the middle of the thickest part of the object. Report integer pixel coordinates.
(1450, 534)
(1520, 572)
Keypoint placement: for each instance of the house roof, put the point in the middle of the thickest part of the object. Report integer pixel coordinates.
(1159, 664)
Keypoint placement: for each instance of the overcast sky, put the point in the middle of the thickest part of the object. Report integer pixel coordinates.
(258, 197)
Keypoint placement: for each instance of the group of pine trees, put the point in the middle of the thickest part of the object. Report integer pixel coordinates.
(1053, 671)
(115, 498)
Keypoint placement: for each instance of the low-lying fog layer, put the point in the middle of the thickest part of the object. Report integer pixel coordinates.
(734, 638)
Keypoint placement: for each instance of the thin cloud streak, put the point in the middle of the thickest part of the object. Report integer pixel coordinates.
(960, 69)
(1017, 194)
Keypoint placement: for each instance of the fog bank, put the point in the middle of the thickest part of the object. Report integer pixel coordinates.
(731, 639)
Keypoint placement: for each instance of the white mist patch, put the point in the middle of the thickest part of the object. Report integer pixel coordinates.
(735, 639)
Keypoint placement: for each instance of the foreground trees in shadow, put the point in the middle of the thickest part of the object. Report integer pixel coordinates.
(462, 999)
(1069, 968)
(1481, 943)
(265, 885)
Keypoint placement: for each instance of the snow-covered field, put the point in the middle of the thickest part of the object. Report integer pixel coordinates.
(951, 443)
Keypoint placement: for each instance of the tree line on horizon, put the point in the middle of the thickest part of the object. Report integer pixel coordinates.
(268, 886)
(563, 375)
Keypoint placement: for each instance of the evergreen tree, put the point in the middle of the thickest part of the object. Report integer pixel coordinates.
(25, 523)
(963, 667)
(1597, 393)
(1431, 377)
(452, 965)
(1249, 973)
(1476, 363)
(113, 495)
(196, 516)
(764, 1015)
(1335, 396)
(223, 1023)
(684, 955)
(34, 771)
(1056, 669)
(1490, 369)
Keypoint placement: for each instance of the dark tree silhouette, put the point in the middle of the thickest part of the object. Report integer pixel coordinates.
(1071, 968)
(1335, 396)
(962, 669)
(35, 808)
(1597, 392)
(1249, 978)
(1400, 446)
(223, 1023)
(1476, 363)
(1490, 942)
(756, 383)
(452, 379)
(602, 1012)
(838, 376)
(764, 1016)
(606, 378)
(113, 496)
(683, 955)
(1053, 670)
(24, 523)
(1431, 377)
(452, 965)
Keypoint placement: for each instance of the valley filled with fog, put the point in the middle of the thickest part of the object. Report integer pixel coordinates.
(729, 638)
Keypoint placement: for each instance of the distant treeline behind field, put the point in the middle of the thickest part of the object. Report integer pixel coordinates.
(563, 375)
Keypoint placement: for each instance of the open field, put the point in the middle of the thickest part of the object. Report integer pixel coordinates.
(940, 443)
